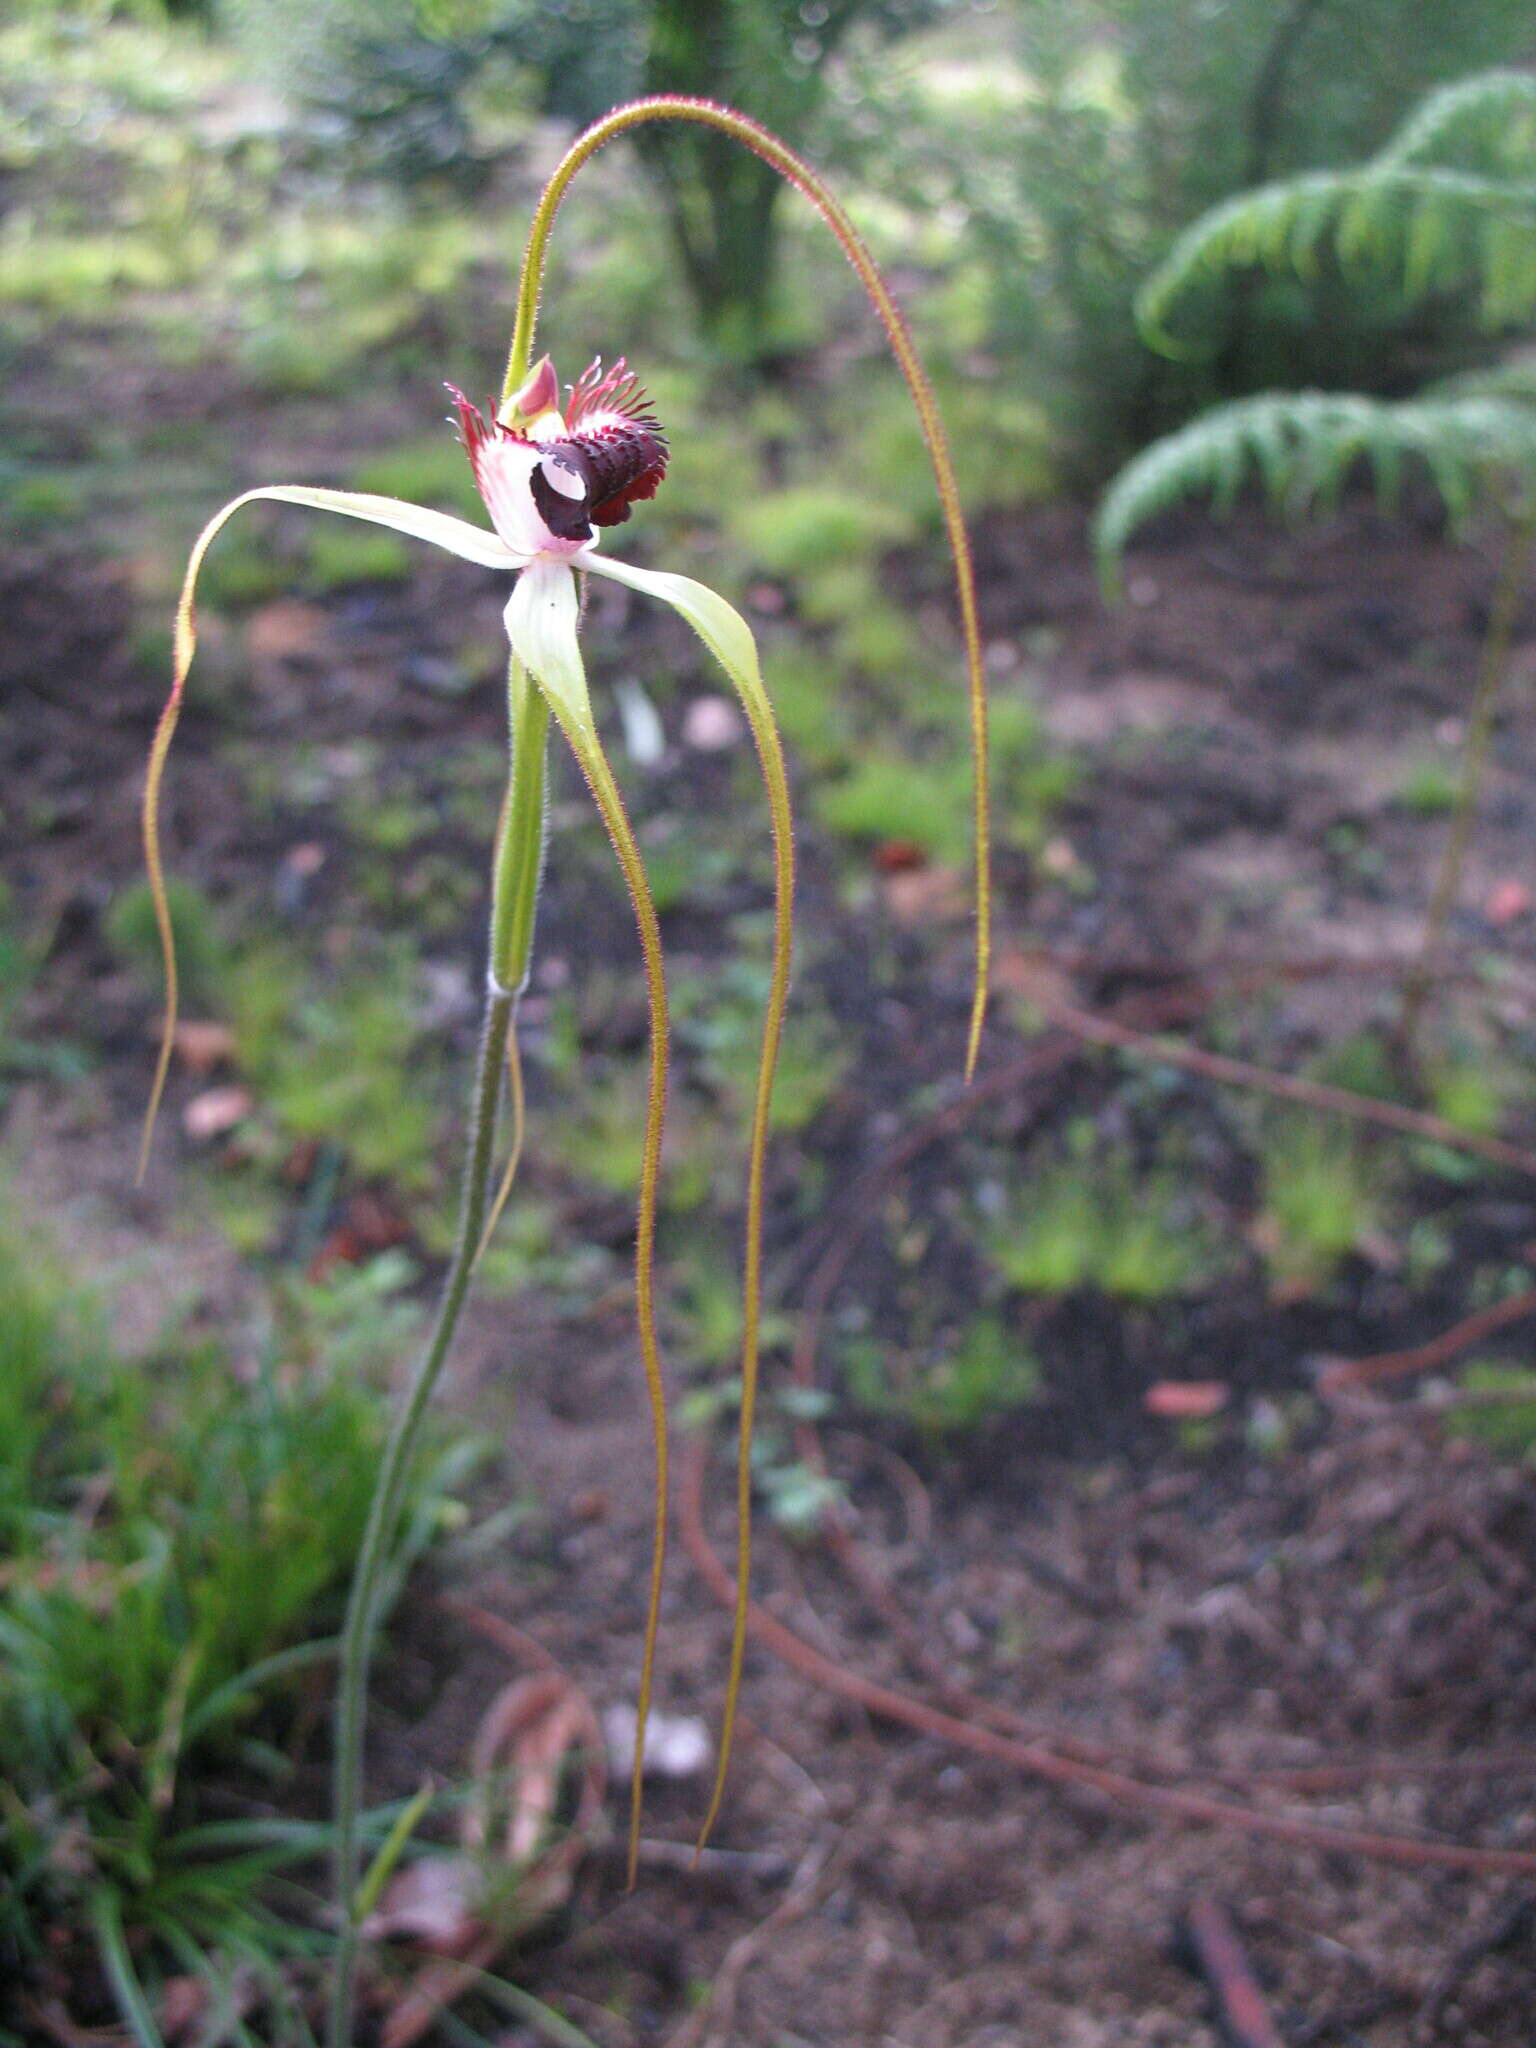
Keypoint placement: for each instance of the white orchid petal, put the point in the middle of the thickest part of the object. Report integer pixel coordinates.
(503, 470)
(541, 621)
(719, 625)
(456, 536)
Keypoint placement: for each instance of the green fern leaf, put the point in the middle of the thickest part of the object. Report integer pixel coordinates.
(1472, 445)
(1449, 204)
(1489, 118)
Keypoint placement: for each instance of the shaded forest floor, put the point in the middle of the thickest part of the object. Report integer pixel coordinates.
(1259, 745)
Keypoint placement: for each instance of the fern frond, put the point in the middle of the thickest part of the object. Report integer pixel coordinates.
(1487, 120)
(1448, 205)
(1514, 378)
(1303, 447)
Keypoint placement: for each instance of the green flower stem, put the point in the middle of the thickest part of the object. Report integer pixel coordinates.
(1485, 696)
(519, 850)
(362, 1615)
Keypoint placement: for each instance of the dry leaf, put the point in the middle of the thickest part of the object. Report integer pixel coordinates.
(435, 1900)
(1507, 900)
(202, 1044)
(531, 1731)
(216, 1111)
(1186, 1400)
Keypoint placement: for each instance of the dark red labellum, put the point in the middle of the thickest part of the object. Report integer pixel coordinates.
(618, 463)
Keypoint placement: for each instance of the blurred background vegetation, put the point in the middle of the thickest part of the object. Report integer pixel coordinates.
(345, 170)
(245, 239)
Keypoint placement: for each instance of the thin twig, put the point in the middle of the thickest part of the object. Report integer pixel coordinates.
(504, 1634)
(1240, 2004)
(1346, 1375)
(1168, 1802)
(1392, 1116)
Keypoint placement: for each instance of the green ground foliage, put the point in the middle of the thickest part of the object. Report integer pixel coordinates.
(177, 1530)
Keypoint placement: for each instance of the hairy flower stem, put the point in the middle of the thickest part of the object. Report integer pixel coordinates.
(1492, 668)
(519, 850)
(765, 735)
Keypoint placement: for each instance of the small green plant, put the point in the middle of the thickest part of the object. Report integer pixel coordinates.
(324, 1063)
(954, 1387)
(1092, 1223)
(885, 795)
(1318, 1198)
(176, 1541)
(798, 1496)
(720, 1026)
(1469, 1095)
(339, 558)
(1053, 1247)
(707, 1305)
(1500, 1408)
(801, 532)
(33, 502)
(1428, 790)
(23, 1056)
(133, 932)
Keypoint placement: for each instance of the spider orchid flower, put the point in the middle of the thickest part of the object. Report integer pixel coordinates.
(551, 479)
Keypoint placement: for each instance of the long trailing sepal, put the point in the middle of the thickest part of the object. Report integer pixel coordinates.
(541, 624)
(729, 639)
(797, 172)
(457, 536)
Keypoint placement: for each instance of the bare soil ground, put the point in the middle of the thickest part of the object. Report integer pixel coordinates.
(1361, 1594)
